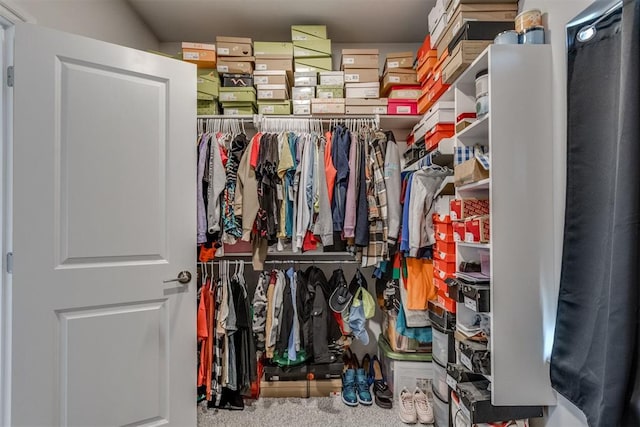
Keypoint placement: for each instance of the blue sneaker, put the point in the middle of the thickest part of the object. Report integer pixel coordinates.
(362, 385)
(349, 395)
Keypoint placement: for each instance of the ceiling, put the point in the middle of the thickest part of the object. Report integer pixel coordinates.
(348, 21)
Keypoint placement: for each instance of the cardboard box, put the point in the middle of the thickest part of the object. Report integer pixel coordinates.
(398, 79)
(479, 30)
(237, 80)
(316, 48)
(201, 54)
(327, 106)
(448, 248)
(329, 92)
(464, 208)
(461, 57)
(313, 64)
(307, 78)
(477, 229)
(399, 60)
(402, 107)
(359, 58)
(366, 106)
(302, 107)
(458, 231)
(208, 84)
(278, 49)
(361, 75)
(234, 46)
(362, 90)
(332, 78)
(273, 92)
(236, 65)
(313, 388)
(237, 94)
(303, 93)
(308, 32)
(405, 92)
(469, 172)
(270, 64)
(238, 111)
(273, 77)
(207, 108)
(281, 108)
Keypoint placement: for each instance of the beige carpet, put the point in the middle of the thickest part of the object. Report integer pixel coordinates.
(316, 411)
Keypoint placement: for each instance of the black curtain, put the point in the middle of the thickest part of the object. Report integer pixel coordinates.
(594, 361)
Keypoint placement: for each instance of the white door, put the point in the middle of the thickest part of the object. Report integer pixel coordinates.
(103, 211)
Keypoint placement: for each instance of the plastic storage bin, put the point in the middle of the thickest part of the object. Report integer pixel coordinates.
(440, 387)
(401, 370)
(443, 346)
(441, 411)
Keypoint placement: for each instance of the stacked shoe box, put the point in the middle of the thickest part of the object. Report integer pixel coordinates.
(235, 64)
(436, 124)
(426, 61)
(399, 83)
(311, 48)
(304, 90)
(305, 380)
(444, 262)
(273, 84)
(362, 85)
(204, 56)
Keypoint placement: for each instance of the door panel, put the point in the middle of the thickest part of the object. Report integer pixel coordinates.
(104, 210)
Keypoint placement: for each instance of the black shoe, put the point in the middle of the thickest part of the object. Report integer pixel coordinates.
(383, 396)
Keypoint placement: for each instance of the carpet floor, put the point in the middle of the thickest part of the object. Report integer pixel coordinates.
(315, 411)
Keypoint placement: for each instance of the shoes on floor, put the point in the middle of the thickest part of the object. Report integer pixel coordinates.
(424, 410)
(381, 391)
(406, 407)
(362, 387)
(349, 393)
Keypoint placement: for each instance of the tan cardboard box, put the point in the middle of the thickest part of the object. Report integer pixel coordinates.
(201, 54)
(462, 56)
(362, 90)
(302, 107)
(315, 388)
(327, 106)
(283, 64)
(399, 60)
(273, 92)
(361, 75)
(366, 106)
(236, 65)
(273, 77)
(469, 172)
(234, 46)
(397, 79)
(359, 58)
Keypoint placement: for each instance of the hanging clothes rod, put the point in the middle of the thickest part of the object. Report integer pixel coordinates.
(289, 261)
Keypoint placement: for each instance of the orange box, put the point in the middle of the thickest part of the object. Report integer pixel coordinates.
(459, 230)
(464, 208)
(438, 133)
(442, 275)
(443, 256)
(201, 54)
(446, 247)
(440, 284)
(441, 218)
(477, 229)
(448, 303)
(443, 228)
(424, 67)
(448, 268)
(445, 237)
(423, 104)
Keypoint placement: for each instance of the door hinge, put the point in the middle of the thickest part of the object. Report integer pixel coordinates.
(10, 262)
(10, 76)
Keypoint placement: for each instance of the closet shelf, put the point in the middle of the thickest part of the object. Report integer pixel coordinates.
(474, 245)
(477, 132)
(482, 185)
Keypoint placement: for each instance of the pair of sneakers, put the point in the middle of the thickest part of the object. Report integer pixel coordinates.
(415, 407)
(355, 388)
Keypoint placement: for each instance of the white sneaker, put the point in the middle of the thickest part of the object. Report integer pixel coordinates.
(424, 410)
(406, 407)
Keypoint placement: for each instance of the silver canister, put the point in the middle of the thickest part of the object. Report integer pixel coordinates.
(533, 35)
(507, 37)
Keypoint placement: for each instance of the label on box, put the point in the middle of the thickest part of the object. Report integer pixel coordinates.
(380, 110)
(223, 51)
(403, 109)
(261, 80)
(465, 361)
(325, 95)
(261, 67)
(223, 68)
(303, 81)
(470, 303)
(451, 382)
(394, 64)
(394, 79)
(191, 55)
(200, 81)
(351, 78)
(302, 110)
(371, 93)
(268, 109)
(231, 111)
(299, 37)
(349, 61)
(265, 94)
(228, 96)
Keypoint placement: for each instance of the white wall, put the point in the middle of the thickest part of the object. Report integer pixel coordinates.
(556, 15)
(112, 21)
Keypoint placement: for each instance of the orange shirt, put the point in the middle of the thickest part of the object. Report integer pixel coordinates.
(419, 283)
